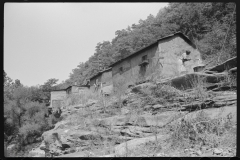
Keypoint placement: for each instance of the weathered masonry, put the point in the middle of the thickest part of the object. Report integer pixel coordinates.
(74, 89)
(167, 57)
(102, 81)
(57, 96)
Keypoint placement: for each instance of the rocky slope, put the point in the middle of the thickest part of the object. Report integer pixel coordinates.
(150, 119)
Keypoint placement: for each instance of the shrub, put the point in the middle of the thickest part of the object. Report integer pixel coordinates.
(166, 93)
(30, 130)
(201, 130)
(120, 87)
(230, 80)
(52, 120)
(33, 108)
(199, 88)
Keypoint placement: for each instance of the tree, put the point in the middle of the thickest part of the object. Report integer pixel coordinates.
(48, 86)
(8, 88)
(17, 83)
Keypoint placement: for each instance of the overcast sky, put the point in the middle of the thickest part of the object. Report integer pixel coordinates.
(48, 40)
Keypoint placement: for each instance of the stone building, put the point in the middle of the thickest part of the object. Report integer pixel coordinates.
(75, 89)
(57, 96)
(167, 57)
(102, 81)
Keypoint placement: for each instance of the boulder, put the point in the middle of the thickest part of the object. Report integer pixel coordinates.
(90, 136)
(90, 103)
(211, 112)
(37, 153)
(233, 70)
(159, 119)
(230, 63)
(188, 81)
(11, 146)
(42, 146)
(78, 106)
(144, 87)
(126, 132)
(217, 151)
(157, 106)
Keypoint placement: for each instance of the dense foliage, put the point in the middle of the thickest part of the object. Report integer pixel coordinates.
(211, 26)
(25, 110)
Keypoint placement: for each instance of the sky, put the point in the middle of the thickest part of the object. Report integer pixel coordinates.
(49, 40)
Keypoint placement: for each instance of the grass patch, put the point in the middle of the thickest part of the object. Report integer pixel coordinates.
(202, 130)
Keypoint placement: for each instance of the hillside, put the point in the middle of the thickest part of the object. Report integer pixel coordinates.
(150, 119)
(155, 118)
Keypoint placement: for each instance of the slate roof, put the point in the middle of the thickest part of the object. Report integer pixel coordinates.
(155, 42)
(99, 73)
(70, 87)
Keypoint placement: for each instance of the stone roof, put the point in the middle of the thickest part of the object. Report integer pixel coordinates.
(169, 36)
(100, 73)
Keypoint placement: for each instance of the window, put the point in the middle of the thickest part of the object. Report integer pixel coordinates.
(144, 57)
(121, 70)
(144, 61)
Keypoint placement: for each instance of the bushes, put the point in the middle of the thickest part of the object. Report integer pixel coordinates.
(33, 121)
(200, 130)
(166, 93)
(30, 130)
(230, 80)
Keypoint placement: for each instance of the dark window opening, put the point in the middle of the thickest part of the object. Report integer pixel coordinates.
(120, 70)
(144, 61)
(144, 57)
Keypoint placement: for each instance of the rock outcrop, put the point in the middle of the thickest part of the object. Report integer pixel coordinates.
(147, 111)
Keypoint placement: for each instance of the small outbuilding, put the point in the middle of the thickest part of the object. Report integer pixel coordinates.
(57, 96)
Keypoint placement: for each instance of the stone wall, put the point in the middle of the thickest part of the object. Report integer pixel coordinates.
(105, 78)
(57, 95)
(74, 89)
(93, 81)
(164, 62)
(131, 69)
(169, 53)
(83, 89)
